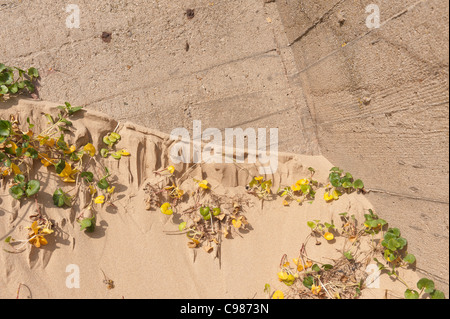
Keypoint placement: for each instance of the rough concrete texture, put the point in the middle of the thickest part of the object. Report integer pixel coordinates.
(161, 68)
(379, 100)
(374, 102)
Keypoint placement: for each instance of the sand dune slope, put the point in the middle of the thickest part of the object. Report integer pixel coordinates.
(132, 246)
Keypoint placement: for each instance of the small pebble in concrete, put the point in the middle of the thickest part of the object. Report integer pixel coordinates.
(106, 37)
(190, 13)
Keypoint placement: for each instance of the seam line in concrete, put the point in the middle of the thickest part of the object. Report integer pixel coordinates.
(383, 113)
(315, 24)
(256, 55)
(374, 190)
(357, 39)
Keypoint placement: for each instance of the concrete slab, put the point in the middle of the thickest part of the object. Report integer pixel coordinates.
(160, 62)
(379, 99)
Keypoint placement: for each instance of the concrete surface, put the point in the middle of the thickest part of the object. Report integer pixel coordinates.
(233, 74)
(374, 102)
(379, 100)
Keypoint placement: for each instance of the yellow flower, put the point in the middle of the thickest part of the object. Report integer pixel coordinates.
(175, 191)
(111, 190)
(68, 174)
(46, 160)
(236, 223)
(302, 182)
(71, 150)
(316, 289)
(328, 197)
(295, 187)
(336, 194)
(203, 184)
(124, 153)
(11, 148)
(166, 209)
(286, 278)
(278, 295)
(259, 178)
(15, 169)
(328, 236)
(298, 264)
(37, 235)
(89, 149)
(50, 142)
(99, 200)
(6, 172)
(92, 190)
(282, 276)
(170, 169)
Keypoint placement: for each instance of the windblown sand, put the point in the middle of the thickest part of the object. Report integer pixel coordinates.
(131, 245)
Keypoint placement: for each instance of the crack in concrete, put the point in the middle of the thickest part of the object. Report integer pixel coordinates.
(358, 38)
(425, 199)
(315, 24)
(140, 88)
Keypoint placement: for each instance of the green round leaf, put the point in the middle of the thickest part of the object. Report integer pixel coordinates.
(315, 268)
(115, 136)
(116, 156)
(88, 176)
(104, 152)
(19, 178)
(308, 282)
(204, 211)
(14, 88)
(16, 192)
(347, 184)
(426, 284)
(305, 188)
(5, 127)
(394, 231)
(103, 184)
(402, 242)
(437, 295)
(411, 294)
(107, 141)
(33, 188)
(182, 226)
(327, 267)
(60, 198)
(33, 72)
(358, 184)
(60, 166)
(32, 153)
(393, 244)
(88, 224)
(217, 211)
(312, 225)
(3, 89)
(335, 179)
(348, 255)
(410, 259)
